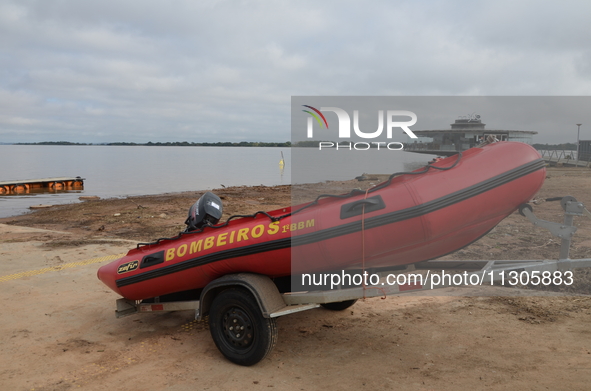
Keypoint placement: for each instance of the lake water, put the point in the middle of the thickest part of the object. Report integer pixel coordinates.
(120, 171)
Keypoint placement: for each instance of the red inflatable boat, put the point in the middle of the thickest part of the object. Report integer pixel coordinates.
(410, 218)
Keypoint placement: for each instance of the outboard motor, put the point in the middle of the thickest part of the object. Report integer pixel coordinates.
(207, 210)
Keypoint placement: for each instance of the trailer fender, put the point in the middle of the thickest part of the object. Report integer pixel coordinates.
(261, 287)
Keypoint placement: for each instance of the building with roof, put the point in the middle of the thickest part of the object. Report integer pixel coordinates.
(466, 132)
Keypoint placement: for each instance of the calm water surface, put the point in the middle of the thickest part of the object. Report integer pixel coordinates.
(120, 171)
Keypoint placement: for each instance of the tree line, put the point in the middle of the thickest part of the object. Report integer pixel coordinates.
(287, 144)
(173, 144)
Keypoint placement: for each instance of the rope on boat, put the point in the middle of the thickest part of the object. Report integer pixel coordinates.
(356, 192)
(208, 224)
(352, 193)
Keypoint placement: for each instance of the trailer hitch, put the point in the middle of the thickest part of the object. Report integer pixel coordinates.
(564, 231)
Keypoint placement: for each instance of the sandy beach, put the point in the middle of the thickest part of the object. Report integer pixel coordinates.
(60, 332)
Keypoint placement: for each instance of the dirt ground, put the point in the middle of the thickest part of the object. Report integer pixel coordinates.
(60, 333)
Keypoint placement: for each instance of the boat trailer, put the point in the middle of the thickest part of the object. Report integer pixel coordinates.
(251, 302)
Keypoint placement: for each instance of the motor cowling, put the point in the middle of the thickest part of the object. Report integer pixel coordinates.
(207, 210)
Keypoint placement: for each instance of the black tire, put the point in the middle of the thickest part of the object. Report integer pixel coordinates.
(237, 308)
(339, 305)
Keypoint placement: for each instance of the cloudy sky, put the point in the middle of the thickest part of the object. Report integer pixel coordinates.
(141, 70)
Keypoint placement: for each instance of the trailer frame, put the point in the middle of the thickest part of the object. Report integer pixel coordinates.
(261, 292)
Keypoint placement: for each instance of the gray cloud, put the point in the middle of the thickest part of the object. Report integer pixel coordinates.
(225, 70)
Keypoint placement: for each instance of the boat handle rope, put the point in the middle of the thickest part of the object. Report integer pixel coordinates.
(208, 224)
(355, 192)
(352, 193)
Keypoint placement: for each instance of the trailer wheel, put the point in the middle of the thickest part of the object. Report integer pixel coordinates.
(238, 328)
(339, 305)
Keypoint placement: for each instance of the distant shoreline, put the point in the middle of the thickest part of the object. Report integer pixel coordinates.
(286, 144)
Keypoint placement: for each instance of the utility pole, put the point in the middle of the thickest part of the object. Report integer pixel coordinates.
(578, 133)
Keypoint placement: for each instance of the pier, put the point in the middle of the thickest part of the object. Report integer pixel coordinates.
(44, 184)
(564, 158)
